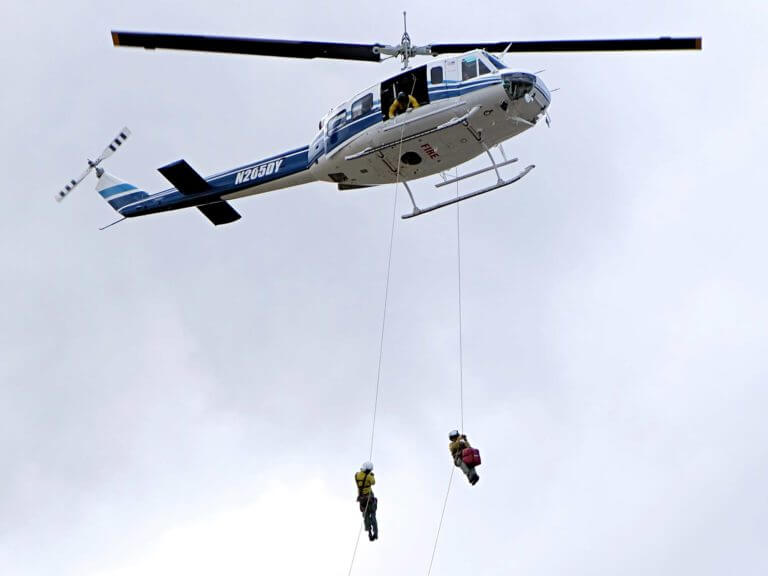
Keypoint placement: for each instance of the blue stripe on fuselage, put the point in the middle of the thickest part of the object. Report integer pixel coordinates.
(450, 89)
(222, 184)
(353, 128)
(107, 193)
(118, 203)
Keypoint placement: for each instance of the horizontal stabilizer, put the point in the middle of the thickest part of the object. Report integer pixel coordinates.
(218, 212)
(186, 180)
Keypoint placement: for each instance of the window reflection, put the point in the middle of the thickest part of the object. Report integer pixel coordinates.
(362, 106)
(468, 67)
(436, 75)
(337, 122)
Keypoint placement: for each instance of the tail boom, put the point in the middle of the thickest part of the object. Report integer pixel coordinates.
(192, 190)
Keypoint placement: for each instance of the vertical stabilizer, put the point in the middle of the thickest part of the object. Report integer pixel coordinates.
(118, 193)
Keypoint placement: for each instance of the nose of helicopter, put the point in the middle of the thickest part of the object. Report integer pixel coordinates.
(527, 92)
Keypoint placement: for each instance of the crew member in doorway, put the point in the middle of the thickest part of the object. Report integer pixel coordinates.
(368, 503)
(457, 446)
(402, 103)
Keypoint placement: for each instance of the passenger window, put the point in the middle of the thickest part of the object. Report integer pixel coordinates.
(469, 67)
(337, 122)
(483, 68)
(362, 106)
(436, 75)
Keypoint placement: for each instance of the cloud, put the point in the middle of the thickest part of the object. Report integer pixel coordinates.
(290, 528)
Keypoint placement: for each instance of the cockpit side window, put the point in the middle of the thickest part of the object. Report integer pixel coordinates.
(362, 106)
(337, 122)
(483, 68)
(468, 67)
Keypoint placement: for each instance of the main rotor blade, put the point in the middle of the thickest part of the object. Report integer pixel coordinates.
(253, 46)
(665, 43)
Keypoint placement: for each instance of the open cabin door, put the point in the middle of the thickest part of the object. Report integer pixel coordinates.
(413, 82)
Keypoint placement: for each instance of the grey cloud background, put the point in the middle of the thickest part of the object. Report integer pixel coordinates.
(178, 398)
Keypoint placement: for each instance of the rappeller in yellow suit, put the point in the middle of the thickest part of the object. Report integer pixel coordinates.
(368, 503)
(402, 103)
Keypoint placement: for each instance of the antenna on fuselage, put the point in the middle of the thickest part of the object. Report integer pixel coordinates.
(501, 56)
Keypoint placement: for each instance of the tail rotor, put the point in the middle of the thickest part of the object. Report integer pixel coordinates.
(108, 151)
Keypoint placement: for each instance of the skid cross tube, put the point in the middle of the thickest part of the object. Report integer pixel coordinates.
(418, 211)
(475, 173)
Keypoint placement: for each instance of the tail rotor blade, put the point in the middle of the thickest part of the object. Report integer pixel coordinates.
(114, 145)
(71, 185)
(108, 151)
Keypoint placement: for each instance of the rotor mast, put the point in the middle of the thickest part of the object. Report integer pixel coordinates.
(405, 50)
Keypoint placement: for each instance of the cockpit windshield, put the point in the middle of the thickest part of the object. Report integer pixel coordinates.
(518, 84)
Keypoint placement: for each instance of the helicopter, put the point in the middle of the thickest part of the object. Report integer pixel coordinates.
(422, 121)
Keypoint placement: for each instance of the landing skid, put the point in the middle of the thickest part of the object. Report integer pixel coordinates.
(500, 184)
(475, 173)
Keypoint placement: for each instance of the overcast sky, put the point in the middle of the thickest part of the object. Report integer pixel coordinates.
(182, 399)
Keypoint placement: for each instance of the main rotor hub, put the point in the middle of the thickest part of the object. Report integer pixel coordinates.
(405, 50)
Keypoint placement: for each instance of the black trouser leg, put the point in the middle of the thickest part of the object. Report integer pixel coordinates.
(364, 505)
(374, 525)
(368, 508)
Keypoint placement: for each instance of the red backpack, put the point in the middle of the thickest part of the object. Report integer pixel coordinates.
(471, 456)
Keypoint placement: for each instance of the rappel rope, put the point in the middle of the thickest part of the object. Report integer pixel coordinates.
(386, 293)
(384, 313)
(381, 340)
(461, 345)
(461, 377)
(357, 543)
(440, 524)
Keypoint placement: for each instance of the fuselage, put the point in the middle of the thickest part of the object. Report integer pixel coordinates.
(505, 103)
(466, 104)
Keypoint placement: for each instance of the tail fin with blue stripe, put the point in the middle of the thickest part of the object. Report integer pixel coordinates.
(118, 193)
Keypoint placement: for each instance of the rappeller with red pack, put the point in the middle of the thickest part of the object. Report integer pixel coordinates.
(464, 456)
